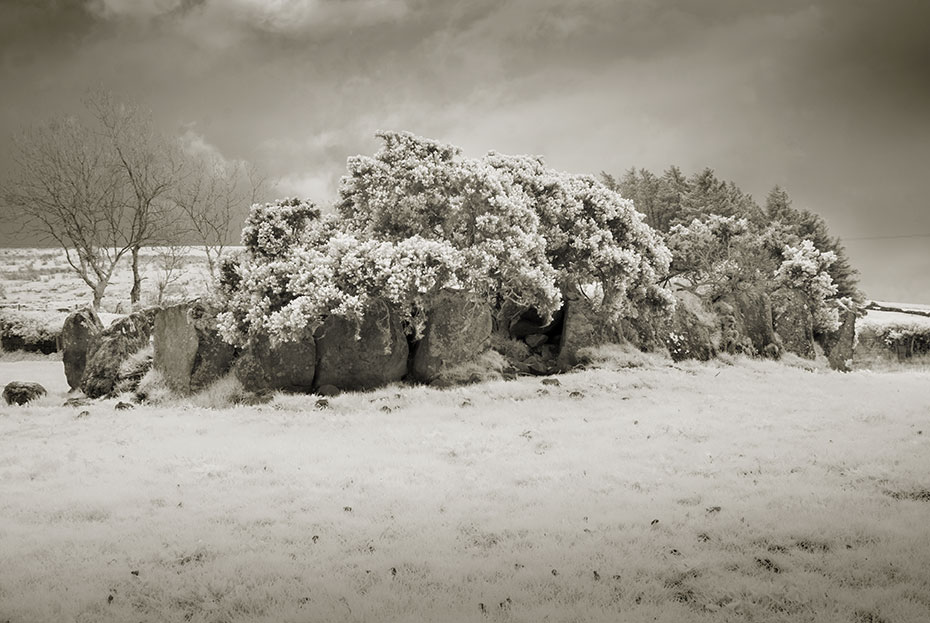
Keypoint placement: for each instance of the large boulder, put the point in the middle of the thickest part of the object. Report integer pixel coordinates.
(288, 366)
(842, 344)
(188, 350)
(114, 345)
(78, 334)
(688, 332)
(794, 322)
(21, 392)
(458, 330)
(377, 357)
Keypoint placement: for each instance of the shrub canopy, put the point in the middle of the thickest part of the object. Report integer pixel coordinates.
(417, 218)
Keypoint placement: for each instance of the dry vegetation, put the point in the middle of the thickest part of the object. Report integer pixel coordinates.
(643, 491)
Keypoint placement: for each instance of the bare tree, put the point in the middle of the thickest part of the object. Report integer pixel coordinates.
(170, 262)
(212, 195)
(147, 166)
(65, 191)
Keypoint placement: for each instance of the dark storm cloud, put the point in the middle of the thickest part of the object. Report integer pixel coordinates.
(827, 99)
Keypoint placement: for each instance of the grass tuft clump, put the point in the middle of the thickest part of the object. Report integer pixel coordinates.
(488, 366)
(153, 389)
(221, 394)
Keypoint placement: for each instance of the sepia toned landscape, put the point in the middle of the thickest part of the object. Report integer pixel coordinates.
(524, 311)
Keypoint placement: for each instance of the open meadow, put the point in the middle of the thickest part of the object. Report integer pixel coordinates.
(636, 490)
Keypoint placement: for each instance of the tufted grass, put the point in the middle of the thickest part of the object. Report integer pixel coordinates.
(638, 491)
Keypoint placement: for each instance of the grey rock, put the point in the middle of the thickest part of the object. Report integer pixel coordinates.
(377, 358)
(114, 345)
(22, 392)
(458, 330)
(188, 349)
(288, 366)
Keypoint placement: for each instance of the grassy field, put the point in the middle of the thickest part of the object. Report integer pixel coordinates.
(637, 491)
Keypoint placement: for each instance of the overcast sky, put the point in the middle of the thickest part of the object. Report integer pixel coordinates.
(831, 100)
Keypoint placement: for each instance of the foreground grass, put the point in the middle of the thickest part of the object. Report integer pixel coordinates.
(747, 492)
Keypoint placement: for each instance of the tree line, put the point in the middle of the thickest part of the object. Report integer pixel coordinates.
(672, 202)
(106, 184)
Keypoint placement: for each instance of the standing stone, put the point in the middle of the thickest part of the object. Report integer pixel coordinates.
(746, 319)
(21, 392)
(288, 366)
(458, 330)
(377, 358)
(843, 343)
(580, 329)
(686, 335)
(114, 345)
(188, 350)
(78, 334)
(794, 322)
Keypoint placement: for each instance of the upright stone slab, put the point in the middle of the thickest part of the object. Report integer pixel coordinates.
(288, 366)
(686, 335)
(379, 357)
(580, 329)
(458, 330)
(78, 334)
(794, 322)
(188, 350)
(746, 322)
(843, 344)
(124, 337)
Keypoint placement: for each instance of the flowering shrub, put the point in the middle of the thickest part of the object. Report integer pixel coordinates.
(805, 268)
(593, 236)
(419, 187)
(273, 228)
(288, 296)
(713, 255)
(417, 218)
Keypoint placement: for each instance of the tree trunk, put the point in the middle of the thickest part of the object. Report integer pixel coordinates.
(98, 295)
(136, 292)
